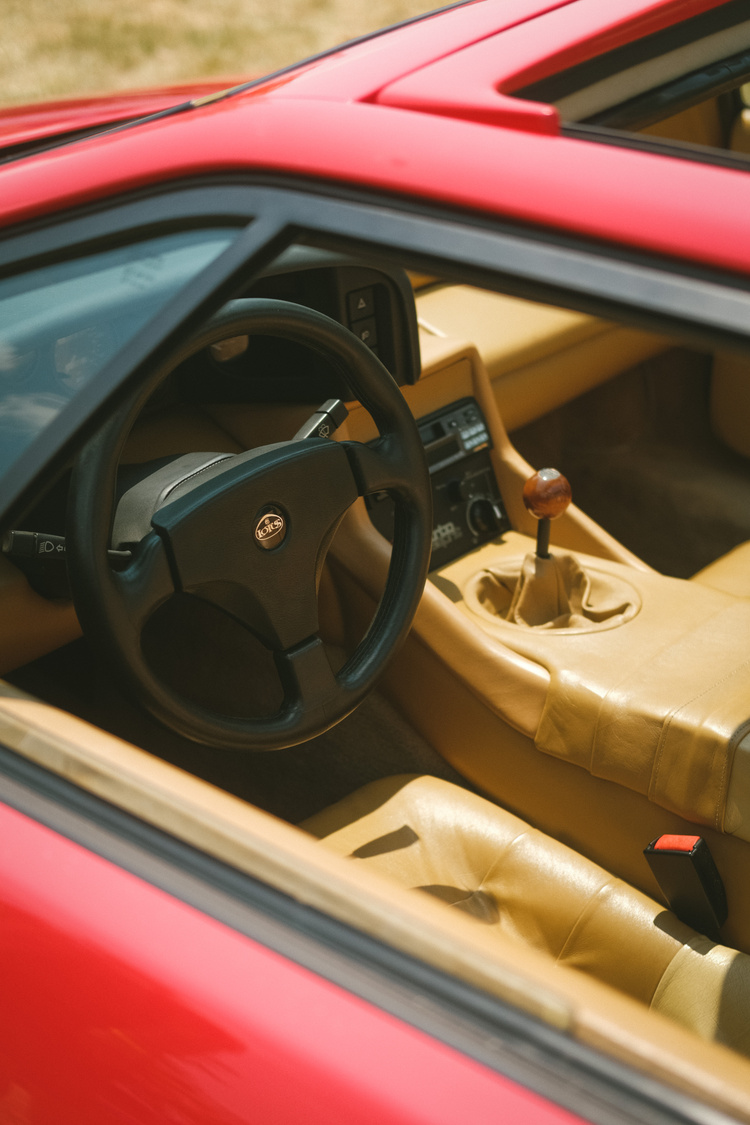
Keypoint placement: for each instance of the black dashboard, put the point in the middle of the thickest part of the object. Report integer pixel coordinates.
(377, 305)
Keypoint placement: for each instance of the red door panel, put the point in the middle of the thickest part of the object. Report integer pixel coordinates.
(123, 1004)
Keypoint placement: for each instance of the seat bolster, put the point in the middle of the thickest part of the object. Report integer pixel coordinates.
(706, 987)
(625, 939)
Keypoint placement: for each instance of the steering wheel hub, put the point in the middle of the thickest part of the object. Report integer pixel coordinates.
(270, 530)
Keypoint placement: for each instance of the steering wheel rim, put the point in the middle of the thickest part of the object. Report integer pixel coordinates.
(114, 606)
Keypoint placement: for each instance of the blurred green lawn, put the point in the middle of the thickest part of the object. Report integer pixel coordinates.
(62, 48)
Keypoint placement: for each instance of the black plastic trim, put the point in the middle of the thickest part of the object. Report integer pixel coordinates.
(487, 1029)
(170, 206)
(700, 306)
(658, 146)
(13, 152)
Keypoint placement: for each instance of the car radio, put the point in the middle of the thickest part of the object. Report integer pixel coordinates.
(467, 506)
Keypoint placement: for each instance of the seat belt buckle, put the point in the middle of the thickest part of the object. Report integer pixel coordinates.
(689, 880)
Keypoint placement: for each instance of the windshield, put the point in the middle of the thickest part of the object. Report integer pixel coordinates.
(61, 324)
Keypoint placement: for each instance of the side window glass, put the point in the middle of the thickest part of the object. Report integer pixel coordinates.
(61, 324)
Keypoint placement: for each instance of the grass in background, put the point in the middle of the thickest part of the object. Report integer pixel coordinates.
(63, 48)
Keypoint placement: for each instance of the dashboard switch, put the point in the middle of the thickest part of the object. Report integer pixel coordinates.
(361, 303)
(367, 330)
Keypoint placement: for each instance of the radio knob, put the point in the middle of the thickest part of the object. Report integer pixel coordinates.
(456, 490)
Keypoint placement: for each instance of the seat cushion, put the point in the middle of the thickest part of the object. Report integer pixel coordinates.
(447, 842)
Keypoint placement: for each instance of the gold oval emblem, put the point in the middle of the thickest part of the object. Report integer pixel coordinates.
(270, 530)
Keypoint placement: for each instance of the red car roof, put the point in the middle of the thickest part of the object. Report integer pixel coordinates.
(26, 124)
(424, 111)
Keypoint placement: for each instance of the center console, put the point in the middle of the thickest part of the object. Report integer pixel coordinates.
(647, 688)
(468, 509)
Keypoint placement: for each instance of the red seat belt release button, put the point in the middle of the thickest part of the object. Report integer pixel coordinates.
(689, 880)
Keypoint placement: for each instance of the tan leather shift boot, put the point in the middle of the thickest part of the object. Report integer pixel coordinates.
(553, 593)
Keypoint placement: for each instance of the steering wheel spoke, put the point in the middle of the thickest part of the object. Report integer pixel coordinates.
(146, 583)
(307, 678)
(380, 466)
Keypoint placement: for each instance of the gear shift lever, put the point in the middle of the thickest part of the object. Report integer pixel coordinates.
(543, 591)
(546, 495)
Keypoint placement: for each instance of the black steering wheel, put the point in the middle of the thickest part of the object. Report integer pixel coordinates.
(249, 533)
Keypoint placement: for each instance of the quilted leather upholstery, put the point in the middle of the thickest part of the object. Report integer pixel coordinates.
(442, 840)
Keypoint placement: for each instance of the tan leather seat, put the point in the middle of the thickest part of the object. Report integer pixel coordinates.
(442, 840)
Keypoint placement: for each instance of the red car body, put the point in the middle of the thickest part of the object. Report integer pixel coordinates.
(378, 131)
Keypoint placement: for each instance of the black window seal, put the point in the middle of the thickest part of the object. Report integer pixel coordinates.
(485, 1028)
(12, 152)
(657, 146)
(173, 206)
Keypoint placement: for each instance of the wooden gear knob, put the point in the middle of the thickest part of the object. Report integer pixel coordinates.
(547, 494)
